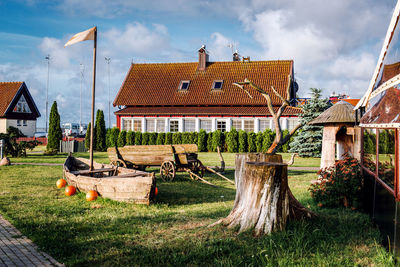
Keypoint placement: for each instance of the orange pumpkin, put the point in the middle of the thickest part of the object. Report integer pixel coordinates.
(91, 195)
(70, 190)
(156, 191)
(61, 183)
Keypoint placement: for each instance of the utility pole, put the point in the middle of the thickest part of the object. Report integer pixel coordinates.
(109, 101)
(82, 67)
(47, 90)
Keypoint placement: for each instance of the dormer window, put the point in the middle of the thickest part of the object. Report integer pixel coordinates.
(217, 85)
(184, 85)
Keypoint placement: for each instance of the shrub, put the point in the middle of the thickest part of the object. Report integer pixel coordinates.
(108, 138)
(121, 138)
(114, 136)
(160, 139)
(209, 142)
(285, 147)
(145, 139)
(187, 138)
(202, 141)
(138, 138)
(232, 141)
(242, 141)
(217, 140)
(130, 138)
(339, 185)
(268, 138)
(251, 142)
(87, 137)
(195, 137)
(168, 138)
(259, 141)
(100, 131)
(152, 138)
(177, 138)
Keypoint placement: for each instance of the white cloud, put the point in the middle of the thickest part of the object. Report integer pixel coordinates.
(219, 48)
(136, 38)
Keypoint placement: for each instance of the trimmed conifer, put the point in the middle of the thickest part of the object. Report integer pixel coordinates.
(251, 141)
(209, 142)
(138, 138)
(259, 141)
(202, 141)
(168, 138)
(145, 138)
(232, 141)
(160, 139)
(121, 138)
(87, 137)
(242, 141)
(55, 133)
(152, 138)
(100, 131)
(114, 136)
(217, 140)
(130, 138)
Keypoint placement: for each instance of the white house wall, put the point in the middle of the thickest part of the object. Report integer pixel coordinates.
(258, 123)
(28, 129)
(3, 125)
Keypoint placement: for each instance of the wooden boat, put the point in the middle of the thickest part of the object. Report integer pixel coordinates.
(112, 182)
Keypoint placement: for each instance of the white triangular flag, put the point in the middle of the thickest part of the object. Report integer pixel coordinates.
(82, 36)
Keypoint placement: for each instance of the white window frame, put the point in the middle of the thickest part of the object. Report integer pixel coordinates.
(215, 82)
(192, 121)
(174, 121)
(209, 123)
(181, 85)
(221, 121)
(239, 121)
(152, 124)
(244, 125)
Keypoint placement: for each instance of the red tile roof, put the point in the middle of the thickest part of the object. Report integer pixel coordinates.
(7, 92)
(204, 111)
(385, 111)
(157, 84)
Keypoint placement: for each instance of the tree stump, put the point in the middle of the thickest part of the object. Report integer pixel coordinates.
(263, 198)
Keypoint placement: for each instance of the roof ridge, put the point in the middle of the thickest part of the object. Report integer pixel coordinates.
(213, 62)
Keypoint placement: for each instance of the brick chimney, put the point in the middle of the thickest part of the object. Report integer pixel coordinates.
(236, 56)
(203, 58)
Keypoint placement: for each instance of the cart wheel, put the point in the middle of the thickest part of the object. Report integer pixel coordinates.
(197, 168)
(167, 171)
(118, 163)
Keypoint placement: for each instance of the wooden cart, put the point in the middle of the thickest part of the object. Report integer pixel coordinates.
(170, 158)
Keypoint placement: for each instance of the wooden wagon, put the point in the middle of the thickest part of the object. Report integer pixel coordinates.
(170, 159)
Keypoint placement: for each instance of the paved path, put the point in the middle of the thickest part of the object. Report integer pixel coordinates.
(17, 250)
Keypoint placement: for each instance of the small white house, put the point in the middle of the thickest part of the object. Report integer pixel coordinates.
(17, 108)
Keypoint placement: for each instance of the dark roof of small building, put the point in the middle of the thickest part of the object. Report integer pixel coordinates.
(385, 111)
(341, 112)
(205, 111)
(8, 90)
(157, 84)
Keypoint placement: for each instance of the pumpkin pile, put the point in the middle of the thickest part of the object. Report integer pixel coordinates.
(71, 190)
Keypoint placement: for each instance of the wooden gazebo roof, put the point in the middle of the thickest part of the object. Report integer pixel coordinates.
(341, 112)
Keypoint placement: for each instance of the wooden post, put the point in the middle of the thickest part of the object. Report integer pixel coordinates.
(93, 98)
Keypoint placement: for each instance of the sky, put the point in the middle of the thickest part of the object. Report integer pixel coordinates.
(334, 44)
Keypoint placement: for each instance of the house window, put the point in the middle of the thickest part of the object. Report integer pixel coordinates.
(18, 122)
(217, 85)
(221, 125)
(137, 125)
(189, 125)
(22, 106)
(291, 124)
(126, 124)
(174, 126)
(206, 125)
(237, 124)
(249, 125)
(24, 123)
(184, 85)
(264, 124)
(160, 126)
(150, 127)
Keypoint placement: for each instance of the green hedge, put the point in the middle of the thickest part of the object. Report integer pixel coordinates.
(232, 141)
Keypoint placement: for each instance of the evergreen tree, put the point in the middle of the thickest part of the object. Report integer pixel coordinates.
(251, 141)
(138, 138)
(259, 141)
(114, 136)
(242, 141)
(160, 139)
(268, 138)
(130, 138)
(217, 140)
(121, 138)
(145, 138)
(308, 143)
(152, 138)
(177, 138)
(108, 138)
(202, 141)
(232, 141)
(209, 142)
(100, 131)
(168, 138)
(55, 134)
(87, 137)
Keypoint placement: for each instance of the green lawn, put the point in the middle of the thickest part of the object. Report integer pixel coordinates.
(173, 231)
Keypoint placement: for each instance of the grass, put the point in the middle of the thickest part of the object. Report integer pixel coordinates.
(208, 159)
(173, 231)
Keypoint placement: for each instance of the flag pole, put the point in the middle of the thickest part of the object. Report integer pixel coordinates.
(93, 98)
